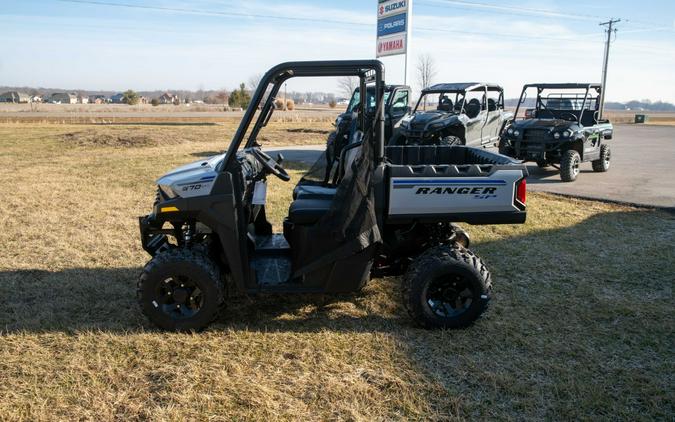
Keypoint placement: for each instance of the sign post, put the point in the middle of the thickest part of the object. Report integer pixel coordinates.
(393, 29)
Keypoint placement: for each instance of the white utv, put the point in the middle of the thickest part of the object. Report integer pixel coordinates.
(389, 211)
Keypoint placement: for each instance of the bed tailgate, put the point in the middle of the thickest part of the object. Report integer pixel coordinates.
(485, 194)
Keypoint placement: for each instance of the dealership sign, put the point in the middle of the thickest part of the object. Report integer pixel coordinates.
(393, 21)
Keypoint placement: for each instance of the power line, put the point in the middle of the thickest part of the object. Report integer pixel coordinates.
(301, 19)
(528, 10)
(211, 12)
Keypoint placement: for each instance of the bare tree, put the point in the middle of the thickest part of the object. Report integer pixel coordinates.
(426, 70)
(347, 85)
(254, 81)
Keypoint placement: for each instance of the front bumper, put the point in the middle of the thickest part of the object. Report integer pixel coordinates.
(534, 150)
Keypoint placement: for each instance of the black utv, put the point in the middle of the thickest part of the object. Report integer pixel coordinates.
(390, 212)
(396, 100)
(469, 114)
(563, 129)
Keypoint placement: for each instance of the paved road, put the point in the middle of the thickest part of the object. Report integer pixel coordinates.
(642, 170)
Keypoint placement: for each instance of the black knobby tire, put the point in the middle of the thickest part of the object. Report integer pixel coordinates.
(450, 141)
(569, 165)
(445, 267)
(181, 277)
(601, 165)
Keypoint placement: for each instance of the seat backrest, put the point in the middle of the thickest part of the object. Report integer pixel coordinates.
(588, 118)
(492, 104)
(445, 104)
(472, 108)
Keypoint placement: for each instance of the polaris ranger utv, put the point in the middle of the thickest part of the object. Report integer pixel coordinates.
(562, 130)
(391, 212)
(396, 99)
(469, 114)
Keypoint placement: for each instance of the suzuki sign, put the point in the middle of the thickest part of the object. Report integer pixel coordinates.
(393, 26)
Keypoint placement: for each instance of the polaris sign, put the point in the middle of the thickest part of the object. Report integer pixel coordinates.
(393, 25)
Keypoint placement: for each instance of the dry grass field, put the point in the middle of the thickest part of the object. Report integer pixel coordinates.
(581, 325)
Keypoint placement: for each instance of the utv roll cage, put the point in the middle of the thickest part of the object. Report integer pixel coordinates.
(462, 88)
(541, 87)
(368, 71)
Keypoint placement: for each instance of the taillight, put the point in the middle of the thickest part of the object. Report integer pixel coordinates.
(521, 191)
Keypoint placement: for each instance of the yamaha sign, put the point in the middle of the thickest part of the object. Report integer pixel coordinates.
(393, 26)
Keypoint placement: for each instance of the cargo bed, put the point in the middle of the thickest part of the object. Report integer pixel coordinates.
(454, 183)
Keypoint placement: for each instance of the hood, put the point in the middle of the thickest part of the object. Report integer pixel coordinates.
(421, 120)
(192, 179)
(557, 125)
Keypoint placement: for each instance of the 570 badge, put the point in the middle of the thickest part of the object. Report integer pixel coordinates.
(197, 186)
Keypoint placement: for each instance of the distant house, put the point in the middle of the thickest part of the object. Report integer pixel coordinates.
(82, 99)
(117, 99)
(63, 98)
(97, 99)
(143, 100)
(36, 99)
(14, 97)
(169, 98)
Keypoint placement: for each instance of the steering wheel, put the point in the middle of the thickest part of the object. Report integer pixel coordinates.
(574, 117)
(270, 165)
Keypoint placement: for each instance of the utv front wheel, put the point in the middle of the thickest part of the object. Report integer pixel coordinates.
(181, 290)
(569, 165)
(446, 287)
(450, 141)
(601, 165)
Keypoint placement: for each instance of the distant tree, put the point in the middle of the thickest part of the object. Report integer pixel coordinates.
(254, 81)
(426, 70)
(347, 85)
(240, 98)
(332, 104)
(154, 102)
(130, 97)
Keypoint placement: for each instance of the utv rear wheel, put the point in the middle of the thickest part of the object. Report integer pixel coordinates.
(601, 165)
(569, 165)
(181, 290)
(446, 287)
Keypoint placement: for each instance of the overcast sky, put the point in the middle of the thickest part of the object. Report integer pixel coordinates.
(213, 44)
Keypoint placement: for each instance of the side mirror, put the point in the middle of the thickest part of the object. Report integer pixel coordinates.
(280, 158)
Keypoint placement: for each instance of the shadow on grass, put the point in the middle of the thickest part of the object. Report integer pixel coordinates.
(104, 299)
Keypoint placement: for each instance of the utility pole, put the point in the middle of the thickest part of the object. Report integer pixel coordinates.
(610, 29)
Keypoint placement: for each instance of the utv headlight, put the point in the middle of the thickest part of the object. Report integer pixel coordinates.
(567, 133)
(510, 131)
(167, 192)
(516, 133)
(556, 135)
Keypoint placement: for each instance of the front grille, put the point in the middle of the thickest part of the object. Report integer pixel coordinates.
(158, 197)
(535, 135)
